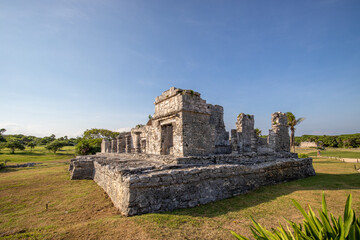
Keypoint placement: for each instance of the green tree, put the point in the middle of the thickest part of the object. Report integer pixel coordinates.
(2, 139)
(90, 143)
(292, 122)
(31, 145)
(88, 146)
(2, 130)
(257, 132)
(47, 140)
(55, 145)
(100, 133)
(13, 144)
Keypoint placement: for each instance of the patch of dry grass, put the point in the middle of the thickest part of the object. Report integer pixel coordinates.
(81, 210)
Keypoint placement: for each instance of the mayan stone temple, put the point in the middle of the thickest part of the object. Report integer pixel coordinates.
(184, 157)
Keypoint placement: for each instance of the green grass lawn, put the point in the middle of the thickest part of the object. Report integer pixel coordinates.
(81, 210)
(38, 154)
(333, 152)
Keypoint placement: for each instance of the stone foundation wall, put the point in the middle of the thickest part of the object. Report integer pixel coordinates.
(144, 186)
(198, 137)
(184, 188)
(114, 184)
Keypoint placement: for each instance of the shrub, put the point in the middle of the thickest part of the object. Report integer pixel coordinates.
(99, 133)
(31, 145)
(54, 146)
(303, 155)
(88, 146)
(313, 228)
(3, 164)
(13, 144)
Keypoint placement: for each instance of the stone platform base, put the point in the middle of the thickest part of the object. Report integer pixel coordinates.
(142, 184)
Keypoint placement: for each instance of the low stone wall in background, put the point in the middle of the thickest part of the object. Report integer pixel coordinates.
(308, 144)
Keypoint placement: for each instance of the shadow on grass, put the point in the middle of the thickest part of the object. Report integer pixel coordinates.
(328, 161)
(321, 181)
(7, 170)
(38, 154)
(29, 154)
(38, 165)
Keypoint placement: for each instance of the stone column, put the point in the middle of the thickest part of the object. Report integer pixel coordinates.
(137, 142)
(234, 141)
(107, 146)
(103, 144)
(118, 145)
(128, 143)
(143, 145)
(279, 139)
(254, 142)
(114, 146)
(246, 133)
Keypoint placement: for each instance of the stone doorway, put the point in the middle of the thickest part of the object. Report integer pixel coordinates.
(166, 139)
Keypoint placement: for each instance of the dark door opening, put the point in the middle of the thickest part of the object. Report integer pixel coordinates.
(166, 139)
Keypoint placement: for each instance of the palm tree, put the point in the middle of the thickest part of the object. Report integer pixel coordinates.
(257, 132)
(292, 122)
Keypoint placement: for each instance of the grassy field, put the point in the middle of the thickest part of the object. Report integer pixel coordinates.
(340, 153)
(38, 154)
(81, 210)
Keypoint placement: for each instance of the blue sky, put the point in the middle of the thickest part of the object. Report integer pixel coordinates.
(70, 65)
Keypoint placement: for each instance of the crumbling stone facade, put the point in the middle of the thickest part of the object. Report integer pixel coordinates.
(279, 139)
(183, 157)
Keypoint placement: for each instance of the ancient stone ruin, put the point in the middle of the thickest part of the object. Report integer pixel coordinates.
(184, 157)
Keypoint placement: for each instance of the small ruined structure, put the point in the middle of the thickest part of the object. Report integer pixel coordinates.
(184, 157)
(309, 144)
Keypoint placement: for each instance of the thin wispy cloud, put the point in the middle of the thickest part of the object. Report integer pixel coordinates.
(71, 65)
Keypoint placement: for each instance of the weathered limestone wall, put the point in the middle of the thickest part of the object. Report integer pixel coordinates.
(164, 136)
(120, 144)
(82, 168)
(198, 137)
(138, 187)
(178, 188)
(114, 184)
(103, 146)
(279, 139)
(168, 103)
(184, 124)
(246, 136)
(113, 145)
(222, 145)
(156, 136)
(308, 144)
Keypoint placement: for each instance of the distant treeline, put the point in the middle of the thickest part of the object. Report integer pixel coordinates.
(88, 143)
(23, 139)
(338, 141)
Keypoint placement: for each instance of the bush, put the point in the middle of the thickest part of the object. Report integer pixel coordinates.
(345, 140)
(314, 228)
(13, 144)
(88, 146)
(3, 164)
(54, 146)
(303, 155)
(31, 145)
